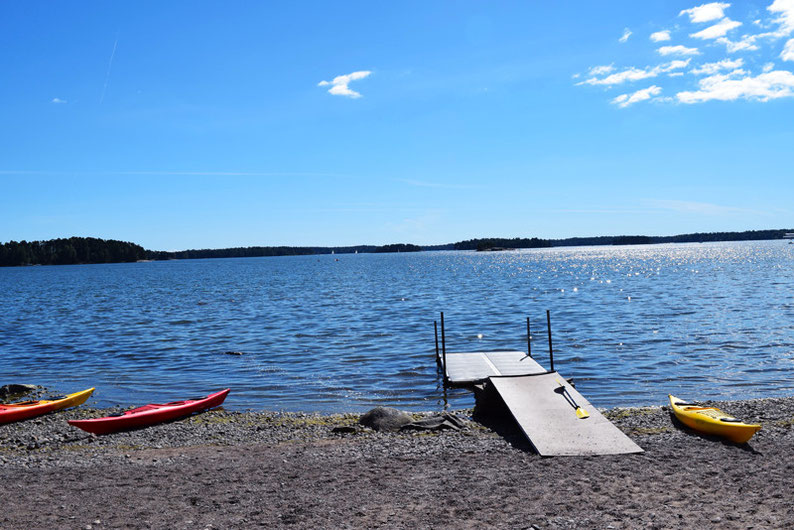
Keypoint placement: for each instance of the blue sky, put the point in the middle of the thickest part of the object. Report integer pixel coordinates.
(215, 124)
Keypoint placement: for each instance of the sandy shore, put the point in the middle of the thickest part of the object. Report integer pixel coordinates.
(238, 470)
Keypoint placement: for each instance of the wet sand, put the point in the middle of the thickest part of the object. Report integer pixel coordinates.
(238, 470)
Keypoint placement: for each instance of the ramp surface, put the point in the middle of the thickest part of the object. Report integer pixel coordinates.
(549, 420)
(476, 367)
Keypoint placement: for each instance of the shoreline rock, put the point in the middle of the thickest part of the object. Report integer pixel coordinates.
(15, 390)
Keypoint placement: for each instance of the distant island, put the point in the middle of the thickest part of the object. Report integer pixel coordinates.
(79, 250)
(70, 251)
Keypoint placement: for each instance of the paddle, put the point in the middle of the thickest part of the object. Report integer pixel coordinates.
(580, 412)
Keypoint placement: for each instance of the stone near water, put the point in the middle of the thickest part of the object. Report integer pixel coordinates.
(12, 390)
(385, 419)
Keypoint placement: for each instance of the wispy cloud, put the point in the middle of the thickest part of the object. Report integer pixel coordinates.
(107, 74)
(702, 208)
(417, 226)
(720, 29)
(626, 35)
(746, 43)
(660, 36)
(339, 85)
(179, 173)
(740, 85)
(788, 51)
(713, 68)
(781, 26)
(636, 74)
(624, 100)
(58, 101)
(785, 15)
(677, 50)
(752, 76)
(437, 185)
(601, 70)
(706, 12)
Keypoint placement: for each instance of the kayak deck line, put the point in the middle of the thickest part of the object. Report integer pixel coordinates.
(555, 418)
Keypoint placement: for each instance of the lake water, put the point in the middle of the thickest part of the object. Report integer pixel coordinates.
(348, 332)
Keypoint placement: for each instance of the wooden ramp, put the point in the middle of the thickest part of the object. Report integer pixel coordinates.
(476, 367)
(549, 420)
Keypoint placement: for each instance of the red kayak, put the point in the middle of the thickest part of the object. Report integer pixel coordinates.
(150, 414)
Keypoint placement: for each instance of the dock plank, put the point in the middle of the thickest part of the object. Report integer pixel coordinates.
(476, 367)
(549, 420)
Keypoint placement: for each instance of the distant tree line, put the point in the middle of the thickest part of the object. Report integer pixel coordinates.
(92, 250)
(255, 252)
(399, 247)
(69, 251)
(237, 252)
(499, 243)
(697, 237)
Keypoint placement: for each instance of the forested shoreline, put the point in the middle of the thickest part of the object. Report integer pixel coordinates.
(79, 250)
(69, 251)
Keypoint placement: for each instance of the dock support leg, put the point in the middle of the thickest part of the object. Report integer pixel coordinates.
(551, 351)
(444, 349)
(438, 355)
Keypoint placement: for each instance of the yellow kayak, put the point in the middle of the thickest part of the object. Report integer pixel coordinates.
(712, 420)
(30, 409)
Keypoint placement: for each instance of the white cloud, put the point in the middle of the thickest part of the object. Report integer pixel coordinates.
(706, 12)
(629, 74)
(785, 21)
(674, 65)
(747, 43)
(720, 29)
(637, 74)
(752, 76)
(660, 36)
(601, 70)
(713, 68)
(788, 51)
(785, 8)
(677, 50)
(739, 85)
(58, 100)
(339, 84)
(624, 100)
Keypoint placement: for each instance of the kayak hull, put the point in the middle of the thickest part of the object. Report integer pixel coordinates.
(151, 414)
(711, 420)
(30, 409)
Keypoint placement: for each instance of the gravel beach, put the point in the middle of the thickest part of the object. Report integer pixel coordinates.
(226, 469)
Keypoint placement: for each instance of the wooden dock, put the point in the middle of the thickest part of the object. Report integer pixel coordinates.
(544, 406)
(465, 369)
(542, 402)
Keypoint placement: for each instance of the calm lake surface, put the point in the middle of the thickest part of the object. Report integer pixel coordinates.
(348, 332)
